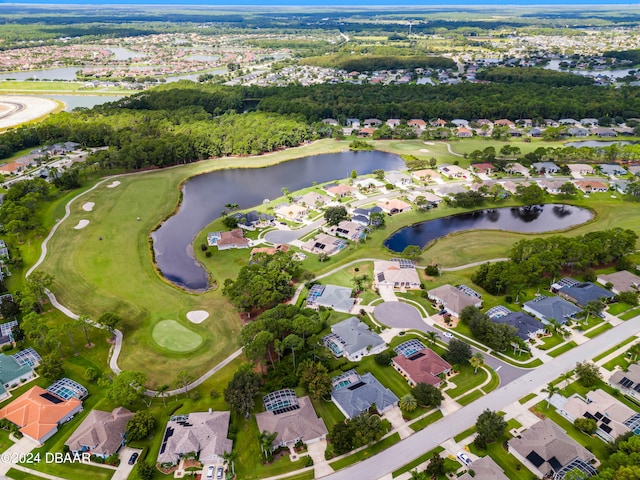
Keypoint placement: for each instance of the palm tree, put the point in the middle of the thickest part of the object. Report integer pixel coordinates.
(408, 403)
(160, 390)
(553, 326)
(551, 390)
(594, 307)
(633, 352)
(431, 337)
(565, 377)
(477, 361)
(517, 290)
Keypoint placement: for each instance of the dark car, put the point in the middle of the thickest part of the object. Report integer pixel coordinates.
(133, 458)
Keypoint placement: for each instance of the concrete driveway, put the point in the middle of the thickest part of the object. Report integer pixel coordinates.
(316, 450)
(394, 415)
(124, 469)
(21, 447)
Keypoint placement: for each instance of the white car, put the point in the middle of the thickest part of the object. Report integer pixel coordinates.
(210, 471)
(448, 334)
(464, 458)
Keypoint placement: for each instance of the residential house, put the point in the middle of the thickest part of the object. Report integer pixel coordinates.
(372, 122)
(622, 281)
(627, 382)
(545, 167)
(363, 215)
(393, 122)
(39, 412)
(546, 450)
(423, 366)
(612, 169)
(331, 296)
(484, 468)
(452, 299)
(100, 433)
(613, 417)
(449, 190)
(323, 243)
(568, 121)
(292, 212)
(313, 199)
(253, 219)
(621, 186)
(577, 132)
(354, 394)
(514, 132)
(330, 121)
(512, 187)
(535, 132)
(551, 186)
(204, 433)
(339, 190)
(432, 199)
(353, 339)
(589, 122)
(453, 171)
(13, 374)
(6, 332)
(367, 183)
(526, 326)
(396, 178)
(482, 168)
(427, 175)
(551, 123)
(581, 293)
(504, 123)
(268, 250)
(591, 186)
(580, 168)
(484, 121)
(460, 122)
(417, 123)
(226, 240)
(292, 418)
(438, 123)
(634, 169)
(551, 308)
(464, 132)
(352, 122)
(366, 132)
(397, 274)
(394, 206)
(516, 168)
(604, 132)
(351, 230)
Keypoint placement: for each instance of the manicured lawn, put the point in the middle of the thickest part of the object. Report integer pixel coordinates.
(526, 398)
(630, 314)
(551, 341)
(368, 452)
(618, 308)
(493, 383)
(497, 451)
(328, 411)
(466, 380)
(562, 349)
(597, 331)
(174, 336)
(428, 420)
(413, 464)
(417, 297)
(473, 396)
(4, 440)
(462, 435)
(613, 349)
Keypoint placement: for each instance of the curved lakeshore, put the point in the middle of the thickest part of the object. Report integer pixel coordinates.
(536, 219)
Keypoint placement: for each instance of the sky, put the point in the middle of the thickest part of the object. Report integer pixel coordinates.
(340, 3)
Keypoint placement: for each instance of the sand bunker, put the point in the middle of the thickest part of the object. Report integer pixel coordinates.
(424, 150)
(113, 184)
(87, 207)
(81, 224)
(197, 316)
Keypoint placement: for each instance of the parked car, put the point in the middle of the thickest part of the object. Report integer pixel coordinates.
(210, 471)
(133, 458)
(448, 334)
(220, 472)
(464, 458)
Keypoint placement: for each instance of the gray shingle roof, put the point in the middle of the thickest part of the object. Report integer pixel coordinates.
(524, 324)
(338, 298)
(546, 308)
(101, 432)
(360, 395)
(302, 423)
(356, 335)
(583, 293)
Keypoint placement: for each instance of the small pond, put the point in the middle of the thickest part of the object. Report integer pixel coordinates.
(595, 144)
(535, 219)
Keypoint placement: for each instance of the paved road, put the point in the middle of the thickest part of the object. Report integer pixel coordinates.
(403, 315)
(410, 448)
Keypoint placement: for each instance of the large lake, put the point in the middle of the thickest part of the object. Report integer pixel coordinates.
(616, 73)
(205, 196)
(537, 219)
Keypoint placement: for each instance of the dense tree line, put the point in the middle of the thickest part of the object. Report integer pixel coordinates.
(18, 209)
(538, 76)
(378, 62)
(531, 261)
(631, 55)
(497, 336)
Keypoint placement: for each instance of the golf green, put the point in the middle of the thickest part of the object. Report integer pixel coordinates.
(171, 335)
